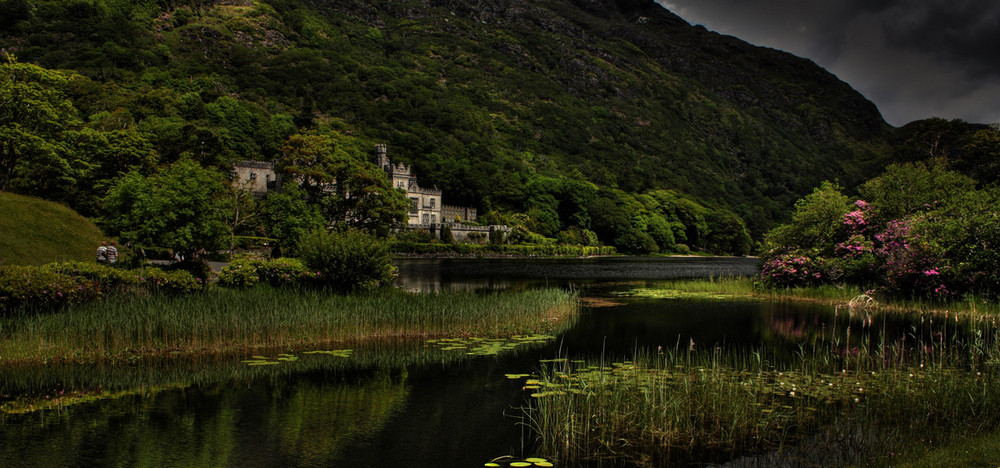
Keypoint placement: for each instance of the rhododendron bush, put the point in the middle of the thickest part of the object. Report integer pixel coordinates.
(918, 230)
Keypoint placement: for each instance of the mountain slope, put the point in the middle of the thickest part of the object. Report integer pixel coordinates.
(482, 97)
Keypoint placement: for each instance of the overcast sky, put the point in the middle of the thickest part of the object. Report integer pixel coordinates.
(913, 58)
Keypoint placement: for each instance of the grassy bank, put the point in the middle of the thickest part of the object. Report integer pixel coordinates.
(845, 296)
(34, 232)
(224, 320)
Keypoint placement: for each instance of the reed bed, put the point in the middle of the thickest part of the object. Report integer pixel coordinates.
(220, 320)
(837, 295)
(936, 382)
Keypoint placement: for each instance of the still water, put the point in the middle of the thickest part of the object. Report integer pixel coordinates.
(376, 409)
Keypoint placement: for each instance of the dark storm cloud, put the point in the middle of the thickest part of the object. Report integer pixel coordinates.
(966, 31)
(914, 58)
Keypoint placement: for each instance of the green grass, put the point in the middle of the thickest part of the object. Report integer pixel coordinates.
(34, 232)
(976, 451)
(835, 295)
(263, 317)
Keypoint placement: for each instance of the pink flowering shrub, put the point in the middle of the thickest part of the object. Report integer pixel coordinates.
(857, 221)
(926, 232)
(792, 269)
(911, 264)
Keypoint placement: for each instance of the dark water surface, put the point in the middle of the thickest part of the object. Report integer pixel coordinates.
(435, 274)
(440, 410)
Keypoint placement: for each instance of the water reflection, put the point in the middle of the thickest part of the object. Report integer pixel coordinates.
(398, 403)
(308, 421)
(476, 274)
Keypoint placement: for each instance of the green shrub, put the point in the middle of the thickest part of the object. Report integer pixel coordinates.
(415, 236)
(347, 260)
(107, 278)
(197, 267)
(25, 287)
(241, 272)
(246, 270)
(172, 281)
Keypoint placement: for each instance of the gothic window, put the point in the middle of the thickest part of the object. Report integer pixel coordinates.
(432, 203)
(423, 219)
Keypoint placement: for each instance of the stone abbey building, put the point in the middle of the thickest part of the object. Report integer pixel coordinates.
(426, 208)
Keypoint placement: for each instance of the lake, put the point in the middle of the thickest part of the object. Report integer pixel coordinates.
(375, 409)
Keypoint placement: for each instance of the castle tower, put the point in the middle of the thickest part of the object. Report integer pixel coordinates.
(381, 158)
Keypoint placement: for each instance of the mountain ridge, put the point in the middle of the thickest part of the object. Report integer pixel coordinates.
(483, 98)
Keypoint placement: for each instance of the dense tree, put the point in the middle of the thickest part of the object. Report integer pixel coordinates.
(905, 189)
(178, 207)
(817, 222)
(34, 112)
(104, 156)
(286, 216)
(335, 175)
(347, 260)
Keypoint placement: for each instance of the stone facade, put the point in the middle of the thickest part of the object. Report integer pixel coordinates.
(425, 203)
(426, 209)
(256, 176)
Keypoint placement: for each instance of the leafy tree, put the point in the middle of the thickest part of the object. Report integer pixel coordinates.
(241, 210)
(727, 234)
(637, 242)
(817, 222)
(446, 235)
(333, 173)
(178, 207)
(109, 155)
(544, 214)
(659, 229)
(904, 189)
(287, 216)
(34, 111)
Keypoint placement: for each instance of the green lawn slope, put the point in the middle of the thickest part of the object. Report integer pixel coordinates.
(34, 231)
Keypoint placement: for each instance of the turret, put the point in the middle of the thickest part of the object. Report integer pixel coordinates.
(381, 158)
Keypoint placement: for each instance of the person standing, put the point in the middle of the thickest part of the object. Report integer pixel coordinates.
(102, 253)
(112, 253)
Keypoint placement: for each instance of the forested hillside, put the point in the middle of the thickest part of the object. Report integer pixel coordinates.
(615, 117)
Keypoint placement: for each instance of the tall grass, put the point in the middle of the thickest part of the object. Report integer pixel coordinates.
(932, 383)
(829, 294)
(264, 317)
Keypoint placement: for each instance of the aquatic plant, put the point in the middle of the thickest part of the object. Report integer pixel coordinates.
(936, 380)
(266, 317)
